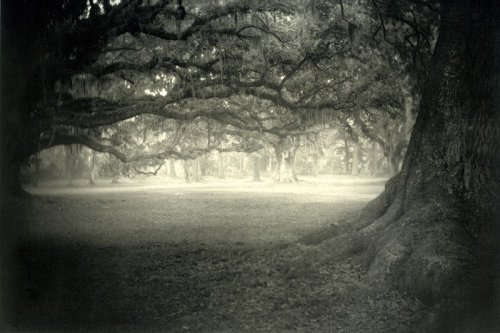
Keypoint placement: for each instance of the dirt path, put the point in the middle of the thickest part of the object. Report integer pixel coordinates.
(209, 258)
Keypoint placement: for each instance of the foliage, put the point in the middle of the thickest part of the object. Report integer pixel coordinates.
(251, 67)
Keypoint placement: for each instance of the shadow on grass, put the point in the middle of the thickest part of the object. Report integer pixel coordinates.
(75, 288)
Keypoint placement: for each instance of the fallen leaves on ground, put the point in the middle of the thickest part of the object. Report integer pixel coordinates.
(105, 263)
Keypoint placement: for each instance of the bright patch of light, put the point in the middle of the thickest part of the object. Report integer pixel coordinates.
(150, 93)
(328, 81)
(163, 92)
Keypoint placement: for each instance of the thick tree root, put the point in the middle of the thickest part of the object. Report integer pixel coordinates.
(425, 252)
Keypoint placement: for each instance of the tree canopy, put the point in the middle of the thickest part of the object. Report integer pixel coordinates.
(251, 66)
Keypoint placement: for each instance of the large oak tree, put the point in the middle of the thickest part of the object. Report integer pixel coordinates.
(434, 229)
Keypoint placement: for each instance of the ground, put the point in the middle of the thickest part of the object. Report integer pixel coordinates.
(219, 256)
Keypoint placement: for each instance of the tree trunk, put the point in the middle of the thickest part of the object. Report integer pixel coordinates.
(373, 160)
(69, 164)
(430, 229)
(286, 172)
(35, 169)
(408, 117)
(334, 165)
(284, 151)
(11, 226)
(10, 183)
(315, 156)
(271, 166)
(346, 156)
(92, 167)
(315, 166)
(171, 163)
(185, 169)
(221, 173)
(203, 166)
(393, 163)
(115, 178)
(242, 165)
(115, 170)
(196, 170)
(20, 93)
(256, 168)
(355, 159)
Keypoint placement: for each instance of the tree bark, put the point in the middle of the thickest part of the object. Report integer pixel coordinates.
(115, 170)
(203, 166)
(430, 230)
(185, 169)
(34, 169)
(287, 167)
(408, 117)
(315, 166)
(315, 156)
(171, 163)
(242, 164)
(10, 177)
(256, 168)
(334, 165)
(69, 164)
(393, 163)
(346, 156)
(92, 167)
(20, 93)
(115, 178)
(221, 172)
(271, 165)
(355, 159)
(196, 170)
(373, 160)
(284, 151)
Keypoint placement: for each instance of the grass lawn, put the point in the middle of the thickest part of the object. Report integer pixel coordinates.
(219, 256)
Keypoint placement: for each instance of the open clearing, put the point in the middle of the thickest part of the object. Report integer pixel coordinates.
(149, 255)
